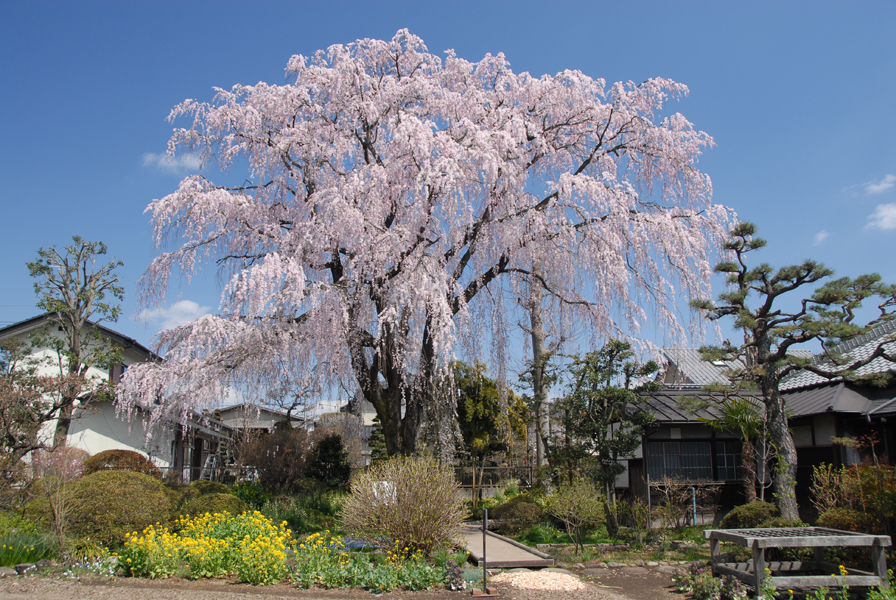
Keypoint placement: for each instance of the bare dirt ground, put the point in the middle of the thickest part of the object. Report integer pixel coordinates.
(610, 587)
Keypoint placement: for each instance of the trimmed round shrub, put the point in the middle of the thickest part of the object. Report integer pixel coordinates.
(108, 505)
(121, 460)
(749, 515)
(844, 519)
(214, 503)
(210, 487)
(780, 523)
(412, 501)
(517, 514)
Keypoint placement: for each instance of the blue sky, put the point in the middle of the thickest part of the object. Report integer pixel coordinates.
(799, 97)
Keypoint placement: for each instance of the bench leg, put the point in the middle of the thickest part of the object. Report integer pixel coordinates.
(758, 568)
(879, 560)
(818, 552)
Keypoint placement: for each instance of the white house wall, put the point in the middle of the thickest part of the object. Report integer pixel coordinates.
(97, 429)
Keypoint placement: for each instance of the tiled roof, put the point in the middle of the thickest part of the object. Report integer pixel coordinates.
(694, 370)
(855, 349)
(665, 404)
(840, 398)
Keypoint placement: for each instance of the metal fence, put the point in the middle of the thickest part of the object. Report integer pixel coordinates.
(492, 478)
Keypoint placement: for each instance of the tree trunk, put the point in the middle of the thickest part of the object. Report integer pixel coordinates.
(538, 359)
(60, 437)
(610, 514)
(748, 468)
(785, 452)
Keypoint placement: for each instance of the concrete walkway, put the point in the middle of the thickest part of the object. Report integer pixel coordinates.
(502, 552)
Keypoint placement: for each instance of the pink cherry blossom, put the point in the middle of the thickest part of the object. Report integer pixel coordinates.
(393, 205)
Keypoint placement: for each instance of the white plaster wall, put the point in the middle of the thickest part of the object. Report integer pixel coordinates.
(98, 429)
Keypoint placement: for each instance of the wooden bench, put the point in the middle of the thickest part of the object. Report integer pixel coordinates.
(798, 574)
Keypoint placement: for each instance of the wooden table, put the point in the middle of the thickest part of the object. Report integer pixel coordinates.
(798, 574)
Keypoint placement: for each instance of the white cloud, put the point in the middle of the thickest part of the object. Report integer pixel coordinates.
(821, 236)
(179, 313)
(178, 165)
(883, 217)
(878, 187)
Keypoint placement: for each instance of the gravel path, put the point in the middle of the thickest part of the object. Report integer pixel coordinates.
(547, 585)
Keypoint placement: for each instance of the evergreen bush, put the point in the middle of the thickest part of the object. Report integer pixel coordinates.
(214, 503)
(108, 505)
(210, 487)
(124, 460)
(844, 519)
(329, 462)
(749, 515)
(252, 493)
(517, 514)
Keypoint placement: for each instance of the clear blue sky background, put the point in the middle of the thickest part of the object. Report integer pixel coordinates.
(799, 97)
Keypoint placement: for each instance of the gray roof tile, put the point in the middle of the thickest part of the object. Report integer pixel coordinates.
(855, 349)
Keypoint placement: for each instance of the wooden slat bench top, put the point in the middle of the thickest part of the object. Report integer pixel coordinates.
(796, 537)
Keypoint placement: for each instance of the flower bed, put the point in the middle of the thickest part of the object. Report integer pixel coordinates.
(258, 552)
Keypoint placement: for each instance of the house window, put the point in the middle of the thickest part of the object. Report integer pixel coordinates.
(116, 372)
(728, 455)
(679, 460)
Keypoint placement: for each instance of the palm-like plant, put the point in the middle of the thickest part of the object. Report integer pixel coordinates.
(744, 418)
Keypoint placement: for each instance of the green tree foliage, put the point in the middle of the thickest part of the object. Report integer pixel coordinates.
(601, 416)
(754, 301)
(744, 418)
(490, 415)
(78, 290)
(329, 462)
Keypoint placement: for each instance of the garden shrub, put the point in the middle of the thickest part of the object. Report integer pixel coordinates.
(413, 500)
(749, 515)
(123, 460)
(698, 581)
(175, 498)
(214, 503)
(11, 523)
(845, 519)
(107, 505)
(210, 487)
(252, 493)
(517, 514)
(780, 522)
(278, 457)
(578, 505)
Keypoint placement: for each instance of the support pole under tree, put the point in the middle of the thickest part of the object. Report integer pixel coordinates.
(486, 591)
(484, 535)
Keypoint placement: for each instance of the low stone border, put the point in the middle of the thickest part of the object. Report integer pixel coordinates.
(24, 568)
